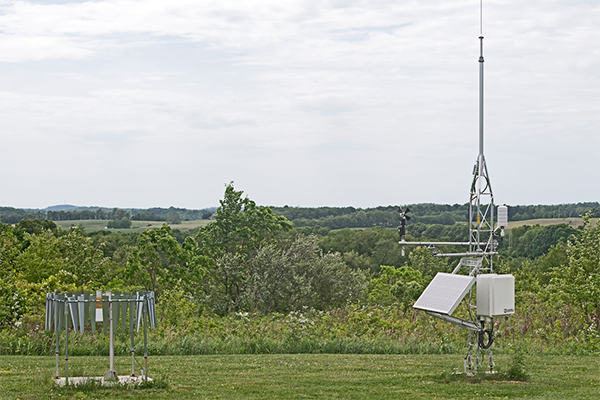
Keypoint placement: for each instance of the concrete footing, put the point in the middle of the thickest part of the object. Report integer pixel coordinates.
(122, 379)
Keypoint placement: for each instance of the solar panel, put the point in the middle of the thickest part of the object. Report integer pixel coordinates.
(444, 293)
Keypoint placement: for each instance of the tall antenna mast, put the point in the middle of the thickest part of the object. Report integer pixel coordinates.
(481, 61)
(482, 246)
(481, 204)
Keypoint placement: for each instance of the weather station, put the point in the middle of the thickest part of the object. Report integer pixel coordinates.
(487, 294)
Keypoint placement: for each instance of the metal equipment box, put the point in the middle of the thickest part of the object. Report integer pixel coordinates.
(495, 295)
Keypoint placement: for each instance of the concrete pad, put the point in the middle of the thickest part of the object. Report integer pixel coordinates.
(123, 380)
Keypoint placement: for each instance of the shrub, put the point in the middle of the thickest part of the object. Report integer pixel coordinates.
(124, 223)
(518, 366)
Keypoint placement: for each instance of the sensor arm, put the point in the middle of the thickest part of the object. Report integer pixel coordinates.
(457, 321)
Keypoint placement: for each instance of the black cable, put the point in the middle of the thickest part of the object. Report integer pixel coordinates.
(481, 338)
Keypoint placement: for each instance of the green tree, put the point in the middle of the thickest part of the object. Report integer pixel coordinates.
(533, 241)
(147, 216)
(578, 282)
(232, 240)
(409, 287)
(159, 261)
(112, 241)
(118, 214)
(9, 250)
(402, 285)
(422, 260)
(358, 261)
(80, 257)
(377, 246)
(73, 253)
(175, 308)
(240, 226)
(552, 260)
(550, 236)
(300, 276)
(124, 223)
(154, 262)
(173, 218)
(35, 226)
(41, 258)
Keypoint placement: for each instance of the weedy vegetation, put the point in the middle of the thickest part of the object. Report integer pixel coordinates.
(251, 306)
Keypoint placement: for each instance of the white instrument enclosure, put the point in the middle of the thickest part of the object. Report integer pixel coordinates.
(495, 295)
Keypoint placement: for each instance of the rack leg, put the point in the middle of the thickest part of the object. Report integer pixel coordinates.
(56, 349)
(132, 348)
(145, 345)
(66, 343)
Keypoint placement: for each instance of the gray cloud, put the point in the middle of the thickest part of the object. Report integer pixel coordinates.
(301, 102)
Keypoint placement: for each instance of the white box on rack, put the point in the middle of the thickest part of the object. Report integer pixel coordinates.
(495, 295)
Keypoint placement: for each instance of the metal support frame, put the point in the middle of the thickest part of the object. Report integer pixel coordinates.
(144, 319)
(469, 325)
(56, 318)
(67, 343)
(64, 309)
(131, 325)
(111, 374)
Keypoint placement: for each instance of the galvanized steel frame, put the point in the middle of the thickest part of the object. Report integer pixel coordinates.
(78, 309)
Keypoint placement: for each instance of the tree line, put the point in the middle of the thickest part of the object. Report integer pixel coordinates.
(10, 215)
(441, 214)
(316, 218)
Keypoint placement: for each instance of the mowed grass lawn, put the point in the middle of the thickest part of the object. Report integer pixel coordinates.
(308, 376)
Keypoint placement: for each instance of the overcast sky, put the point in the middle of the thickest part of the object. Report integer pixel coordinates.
(306, 103)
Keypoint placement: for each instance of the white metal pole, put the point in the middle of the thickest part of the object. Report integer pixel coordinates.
(132, 315)
(481, 61)
(56, 309)
(111, 375)
(110, 332)
(66, 340)
(144, 312)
